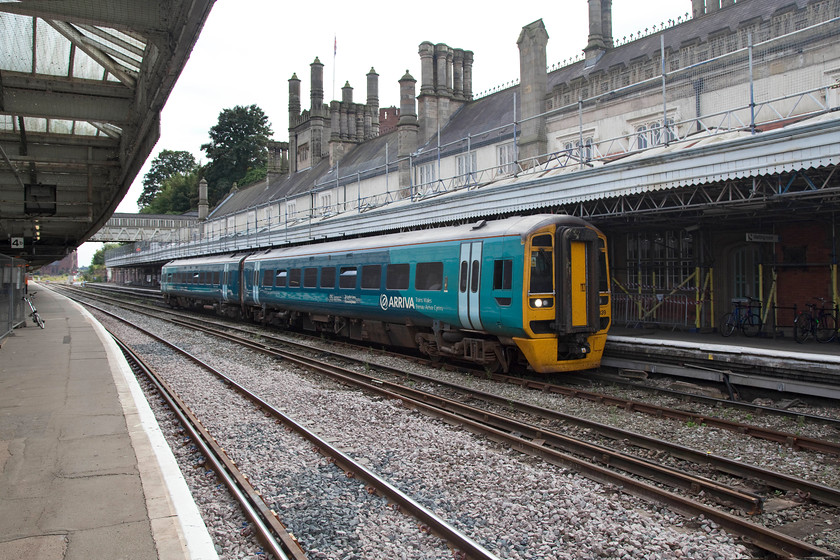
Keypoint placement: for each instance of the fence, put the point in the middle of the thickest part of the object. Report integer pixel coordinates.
(12, 285)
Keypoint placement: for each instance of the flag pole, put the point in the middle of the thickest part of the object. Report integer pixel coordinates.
(335, 51)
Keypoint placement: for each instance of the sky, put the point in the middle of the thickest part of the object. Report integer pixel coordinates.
(249, 49)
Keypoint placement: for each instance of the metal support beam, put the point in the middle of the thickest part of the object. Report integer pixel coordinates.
(148, 16)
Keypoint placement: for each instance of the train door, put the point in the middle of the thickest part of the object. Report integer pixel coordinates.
(255, 289)
(469, 280)
(225, 289)
(578, 284)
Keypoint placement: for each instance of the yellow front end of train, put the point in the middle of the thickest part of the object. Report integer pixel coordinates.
(566, 299)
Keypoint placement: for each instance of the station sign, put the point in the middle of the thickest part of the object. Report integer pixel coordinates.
(17, 242)
(762, 238)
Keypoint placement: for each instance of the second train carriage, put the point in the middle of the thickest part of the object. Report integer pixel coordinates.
(533, 288)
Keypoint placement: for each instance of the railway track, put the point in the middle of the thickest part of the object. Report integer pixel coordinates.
(271, 530)
(559, 449)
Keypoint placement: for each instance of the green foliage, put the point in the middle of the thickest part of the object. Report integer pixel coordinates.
(237, 149)
(167, 164)
(178, 194)
(99, 256)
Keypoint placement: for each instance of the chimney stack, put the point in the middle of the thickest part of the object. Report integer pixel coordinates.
(600, 30)
(533, 88)
(407, 130)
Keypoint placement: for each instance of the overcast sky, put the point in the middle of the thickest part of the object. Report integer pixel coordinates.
(249, 49)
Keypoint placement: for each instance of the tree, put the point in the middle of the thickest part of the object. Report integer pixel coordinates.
(178, 194)
(165, 165)
(238, 145)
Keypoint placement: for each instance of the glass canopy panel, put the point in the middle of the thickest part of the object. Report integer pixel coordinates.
(18, 57)
(52, 51)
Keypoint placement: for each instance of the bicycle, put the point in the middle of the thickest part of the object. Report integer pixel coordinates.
(36, 318)
(742, 317)
(821, 324)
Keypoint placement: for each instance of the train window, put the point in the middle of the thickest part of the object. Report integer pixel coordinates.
(429, 276)
(217, 277)
(474, 280)
(195, 278)
(503, 274)
(310, 277)
(268, 278)
(371, 277)
(328, 277)
(396, 277)
(280, 278)
(347, 277)
(462, 283)
(541, 272)
(541, 241)
(294, 278)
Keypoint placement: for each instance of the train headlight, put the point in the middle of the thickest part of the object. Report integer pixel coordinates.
(539, 303)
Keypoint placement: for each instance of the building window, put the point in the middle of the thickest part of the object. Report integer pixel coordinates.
(325, 204)
(660, 260)
(652, 134)
(574, 150)
(426, 173)
(506, 158)
(466, 167)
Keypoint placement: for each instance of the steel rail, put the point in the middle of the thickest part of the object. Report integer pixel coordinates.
(469, 548)
(272, 533)
(785, 438)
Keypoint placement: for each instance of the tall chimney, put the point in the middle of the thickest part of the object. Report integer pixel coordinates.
(373, 101)
(407, 130)
(698, 7)
(533, 87)
(316, 95)
(468, 64)
(600, 30)
(294, 99)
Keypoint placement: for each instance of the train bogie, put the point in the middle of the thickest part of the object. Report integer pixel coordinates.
(532, 289)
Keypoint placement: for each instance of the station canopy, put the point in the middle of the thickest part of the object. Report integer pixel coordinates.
(82, 85)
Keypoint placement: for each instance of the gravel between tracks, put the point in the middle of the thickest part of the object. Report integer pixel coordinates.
(514, 505)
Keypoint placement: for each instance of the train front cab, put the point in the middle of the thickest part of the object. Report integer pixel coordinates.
(566, 310)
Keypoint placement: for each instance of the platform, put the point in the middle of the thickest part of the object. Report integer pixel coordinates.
(84, 470)
(776, 364)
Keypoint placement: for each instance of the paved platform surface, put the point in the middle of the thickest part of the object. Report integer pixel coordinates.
(84, 471)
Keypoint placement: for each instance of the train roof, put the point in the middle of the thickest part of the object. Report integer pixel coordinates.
(209, 259)
(519, 225)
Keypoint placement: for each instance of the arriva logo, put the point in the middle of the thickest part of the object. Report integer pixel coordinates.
(395, 302)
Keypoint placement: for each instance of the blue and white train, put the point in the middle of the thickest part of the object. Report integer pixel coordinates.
(529, 289)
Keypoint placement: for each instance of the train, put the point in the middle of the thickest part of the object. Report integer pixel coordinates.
(530, 291)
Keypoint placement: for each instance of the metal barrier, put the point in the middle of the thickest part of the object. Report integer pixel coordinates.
(663, 310)
(12, 286)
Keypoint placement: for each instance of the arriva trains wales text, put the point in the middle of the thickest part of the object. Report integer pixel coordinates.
(395, 302)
